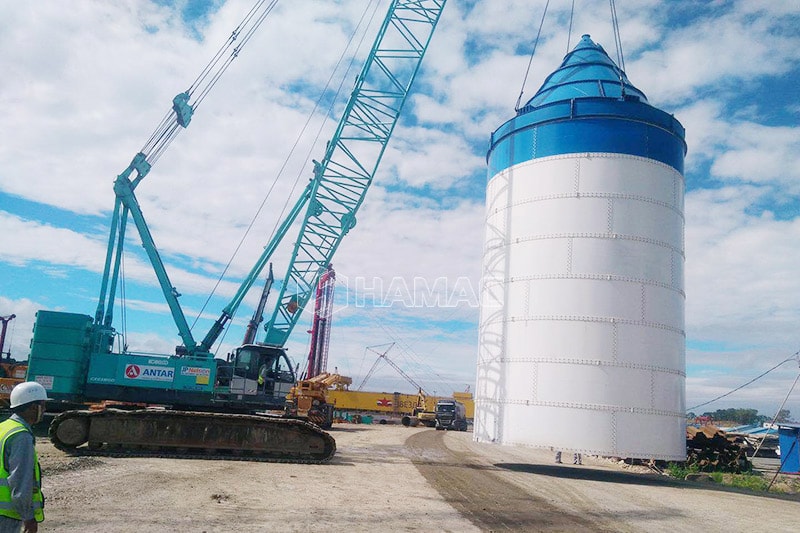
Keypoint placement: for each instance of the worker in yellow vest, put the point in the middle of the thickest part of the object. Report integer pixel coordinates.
(21, 499)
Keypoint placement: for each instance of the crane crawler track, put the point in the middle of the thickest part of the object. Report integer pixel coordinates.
(190, 435)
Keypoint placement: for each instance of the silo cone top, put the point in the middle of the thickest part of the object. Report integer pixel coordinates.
(586, 72)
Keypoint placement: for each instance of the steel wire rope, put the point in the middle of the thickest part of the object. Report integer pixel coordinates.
(618, 44)
(167, 130)
(416, 360)
(617, 36)
(231, 39)
(569, 31)
(794, 357)
(777, 414)
(407, 348)
(291, 153)
(530, 61)
(279, 218)
(247, 36)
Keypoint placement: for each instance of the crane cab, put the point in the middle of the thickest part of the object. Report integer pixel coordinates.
(256, 374)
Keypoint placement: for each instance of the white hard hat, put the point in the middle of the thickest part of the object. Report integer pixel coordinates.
(27, 392)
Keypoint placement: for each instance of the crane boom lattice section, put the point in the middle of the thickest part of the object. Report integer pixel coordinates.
(342, 178)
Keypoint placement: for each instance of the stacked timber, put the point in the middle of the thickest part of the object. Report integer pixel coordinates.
(712, 450)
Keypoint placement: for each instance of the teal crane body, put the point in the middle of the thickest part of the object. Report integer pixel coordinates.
(73, 355)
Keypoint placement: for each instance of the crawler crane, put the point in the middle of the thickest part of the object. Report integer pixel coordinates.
(212, 407)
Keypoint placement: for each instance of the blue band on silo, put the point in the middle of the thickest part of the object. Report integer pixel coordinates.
(588, 125)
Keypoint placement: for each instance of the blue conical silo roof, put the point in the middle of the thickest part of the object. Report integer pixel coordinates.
(587, 105)
(586, 72)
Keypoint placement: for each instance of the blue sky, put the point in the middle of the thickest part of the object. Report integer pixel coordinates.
(85, 83)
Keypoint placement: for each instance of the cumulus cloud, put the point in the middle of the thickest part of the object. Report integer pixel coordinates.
(85, 84)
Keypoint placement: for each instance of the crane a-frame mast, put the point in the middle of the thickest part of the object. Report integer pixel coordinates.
(331, 200)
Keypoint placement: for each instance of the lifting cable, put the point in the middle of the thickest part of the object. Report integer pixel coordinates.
(775, 418)
(372, 5)
(618, 44)
(530, 61)
(569, 32)
(413, 358)
(169, 127)
(794, 357)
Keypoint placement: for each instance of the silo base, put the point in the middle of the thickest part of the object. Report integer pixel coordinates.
(593, 432)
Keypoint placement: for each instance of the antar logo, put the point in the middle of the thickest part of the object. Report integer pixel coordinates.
(383, 402)
(151, 373)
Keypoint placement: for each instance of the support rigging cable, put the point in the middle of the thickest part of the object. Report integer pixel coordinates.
(777, 414)
(794, 357)
(358, 28)
(530, 61)
(569, 32)
(617, 38)
(172, 123)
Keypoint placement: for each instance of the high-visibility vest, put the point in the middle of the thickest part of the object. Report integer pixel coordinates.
(7, 429)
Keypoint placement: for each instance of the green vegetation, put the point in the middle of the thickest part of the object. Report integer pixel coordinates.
(752, 482)
(681, 470)
(743, 416)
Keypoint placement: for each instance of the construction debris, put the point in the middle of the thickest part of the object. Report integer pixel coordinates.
(712, 450)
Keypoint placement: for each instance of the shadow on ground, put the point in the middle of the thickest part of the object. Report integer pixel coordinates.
(607, 476)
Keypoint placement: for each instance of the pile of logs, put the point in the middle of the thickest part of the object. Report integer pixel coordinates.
(712, 450)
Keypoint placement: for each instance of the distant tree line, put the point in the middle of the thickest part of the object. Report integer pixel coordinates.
(743, 416)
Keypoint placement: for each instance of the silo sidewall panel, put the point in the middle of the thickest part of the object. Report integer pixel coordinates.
(584, 263)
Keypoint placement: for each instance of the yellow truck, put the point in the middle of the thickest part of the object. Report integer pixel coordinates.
(386, 406)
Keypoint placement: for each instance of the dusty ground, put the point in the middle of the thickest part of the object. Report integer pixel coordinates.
(391, 478)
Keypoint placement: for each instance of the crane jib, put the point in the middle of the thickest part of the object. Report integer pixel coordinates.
(354, 153)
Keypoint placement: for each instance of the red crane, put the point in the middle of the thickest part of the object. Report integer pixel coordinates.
(321, 325)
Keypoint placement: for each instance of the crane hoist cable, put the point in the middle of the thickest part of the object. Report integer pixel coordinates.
(571, 17)
(530, 61)
(371, 6)
(617, 37)
(179, 116)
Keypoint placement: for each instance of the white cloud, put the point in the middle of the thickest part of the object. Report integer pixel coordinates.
(84, 85)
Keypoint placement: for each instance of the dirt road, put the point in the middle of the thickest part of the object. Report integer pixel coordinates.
(390, 478)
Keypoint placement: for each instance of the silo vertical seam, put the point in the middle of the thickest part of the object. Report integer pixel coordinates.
(615, 341)
(675, 185)
(535, 391)
(528, 297)
(610, 215)
(569, 255)
(644, 302)
(672, 269)
(577, 178)
(652, 389)
(614, 432)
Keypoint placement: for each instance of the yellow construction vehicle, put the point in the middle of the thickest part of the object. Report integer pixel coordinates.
(423, 414)
(308, 399)
(11, 370)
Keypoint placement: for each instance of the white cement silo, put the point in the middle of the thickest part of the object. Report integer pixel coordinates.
(582, 343)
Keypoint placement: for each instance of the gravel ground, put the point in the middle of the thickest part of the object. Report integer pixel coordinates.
(391, 478)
